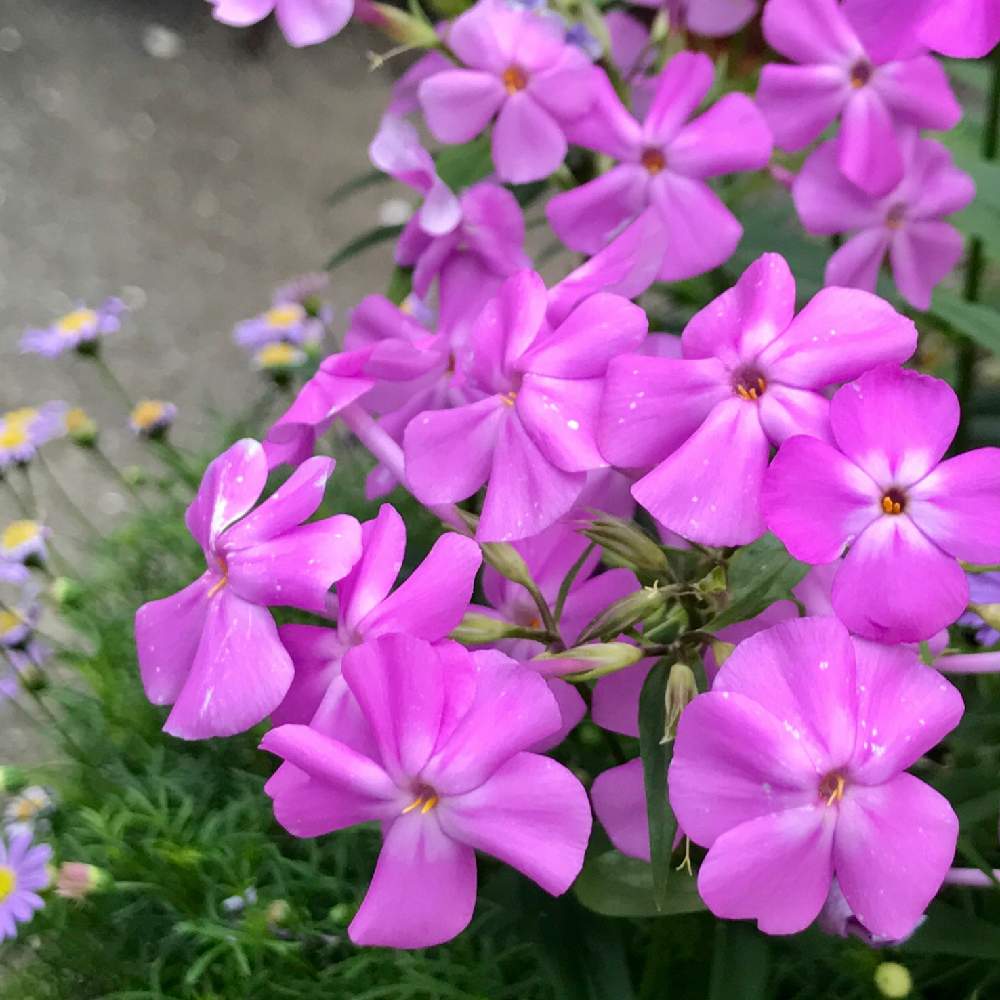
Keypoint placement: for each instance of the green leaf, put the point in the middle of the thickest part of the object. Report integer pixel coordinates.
(655, 758)
(371, 178)
(740, 962)
(979, 323)
(400, 285)
(759, 574)
(361, 243)
(617, 886)
(462, 166)
(950, 931)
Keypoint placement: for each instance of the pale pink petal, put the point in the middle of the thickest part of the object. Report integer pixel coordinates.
(895, 424)
(423, 891)
(560, 415)
(917, 91)
(531, 813)
(827, 202)
(785, 412)
(893, 847)
(683, 84)
(810, 31)
(483, 36)
(572, 709)
(816, 501)
(958, 506)
(896, 585)
(718, 18)
(709, 489)
(799, 102)
(803, 673)
(459, 103)
(528, 143)
(964, 29)
(923, 254)
(608, 127)
(780, 611)
(705, 147)
(316, 653)
(904, 709)
(868, 150)
(775, 869)
(856, 264)
(240, 672)
(241, 13)
(383, 545)
(619, 797)
(615, 702)
(309, 22)
(734, 761)
(567, 87)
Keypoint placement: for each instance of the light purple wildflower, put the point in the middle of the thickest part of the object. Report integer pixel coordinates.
(24, 667)
(836, 76)
(753, 373)
(791, 771)
(212, 650)
(427, 759)
(984, 588)
(286, 322)
(712, 18)
(78, 330)
(535, 388)
(428, 605)
(303, 22)
(23, 875)
(152, 418)
(905, 224)
(518, 69)
(664, 163)
(24, 430)
(879, 488)
(20, 542)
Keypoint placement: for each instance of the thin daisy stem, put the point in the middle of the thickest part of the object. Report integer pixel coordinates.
(67, 500)
(19, 503)
(32, 499)
(117, 475)
(112, 380)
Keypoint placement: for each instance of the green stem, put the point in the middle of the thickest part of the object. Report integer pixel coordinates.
(567, 584)
(965, 360)
(116, 474)
(112, 380)
(32, 500)
(67, 500)
(22, 507)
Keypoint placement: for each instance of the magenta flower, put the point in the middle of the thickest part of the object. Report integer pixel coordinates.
(535, 389)
(302, 22)
(791, 771)
(905, 223)
(520, 70)
(23, 875)
(713, 18)
(873, 93)
(752, 374)
(881, 489)
(662, 169)
(428, 761)
(78, 330)
(428, 605)
(212, 650)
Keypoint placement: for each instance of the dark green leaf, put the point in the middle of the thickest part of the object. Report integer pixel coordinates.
(400, 284)
(362, 182)
(977, 322)
(740, 962)
(950, 931)
(462, 166)
(361, 243)
(655, 758)
(759, 574)
(617, 886)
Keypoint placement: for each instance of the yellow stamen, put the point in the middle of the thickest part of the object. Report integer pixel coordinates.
(429, 804)
(76, 321)
(891, 506)
(514, 79)
(742, 393)
(17, 533)
(653, 160)
(832, 788)
(8, 882)
(508, 397)
(761, 384)
(20, 417)
(685, 864)
(9, 621)
(425, 802)
(415, 804)
(284, 317)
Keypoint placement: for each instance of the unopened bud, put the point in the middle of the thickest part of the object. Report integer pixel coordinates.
(65, 592)
(76, 880)
(722, 651)
(712, 584)
(630, 610)
(625, 544)
(135, 475)
(402, 27)
(80, 428)
(670, 625)
(278, 912)
(481, 630)
(682, 688)
(12, 779)
(990, 613)
(587, 663)
(893, 980)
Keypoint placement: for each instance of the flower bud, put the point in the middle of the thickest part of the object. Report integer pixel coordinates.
(12, 779)
(667, 628)
(722, 651)
(626, 544)
(402, 27)
(135, 475)
(712, 584)
(587, 663)
(481, 630)
(76, 880)
(80, 428)
(278, 912)
(990, 613)
(682, 688)
(65, 592)
(636, 607)
(893, 980)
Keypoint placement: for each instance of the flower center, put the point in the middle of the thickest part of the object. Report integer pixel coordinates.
(894, 217)
(278, 355)
(861, 73)
(894, 502)
(8, 882)
(9, 621)
(508, 398)
(653, 160)
(147, 413)
(831, 788)
(77, 421)
(76, 322)
(223, 579)
(514, 79)
(426, 799)
(284, 317)
(749, 383)
(13, 436)
(21, 417)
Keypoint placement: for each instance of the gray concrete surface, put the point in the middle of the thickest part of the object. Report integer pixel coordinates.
(145, 151)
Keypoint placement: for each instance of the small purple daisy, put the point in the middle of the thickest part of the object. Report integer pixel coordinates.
(78, 330)
(22, 874)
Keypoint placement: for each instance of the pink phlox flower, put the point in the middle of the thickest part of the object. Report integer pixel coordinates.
(791, 771)
(302, 22)
(428, 760)
(905, 224)
(712, 18)
(663, 165)
(753, 373)
(836, 76)
(212, 649)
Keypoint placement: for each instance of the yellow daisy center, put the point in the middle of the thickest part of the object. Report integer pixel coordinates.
(75, 322)
(17, 533)
(20, 417)
(284, 317)
(12, 436)
(147, 413)
(278, 355)
(8, 882)
(9, 621)
(77, 420)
